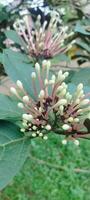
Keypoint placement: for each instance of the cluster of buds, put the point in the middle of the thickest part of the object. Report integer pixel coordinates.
(53, 109)
(43, 40)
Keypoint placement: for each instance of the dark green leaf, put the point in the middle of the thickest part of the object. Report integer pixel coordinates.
(14, 150)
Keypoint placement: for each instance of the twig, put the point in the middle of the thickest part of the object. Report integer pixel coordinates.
(58, 167)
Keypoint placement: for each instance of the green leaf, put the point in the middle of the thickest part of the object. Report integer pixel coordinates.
(14, 150)
(18, 67)
(13, 35)
(9, 109)
(80, 29)
(83, 45)
(82, 76)
(57, 59)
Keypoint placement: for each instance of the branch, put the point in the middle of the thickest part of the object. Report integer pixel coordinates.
(58, 167)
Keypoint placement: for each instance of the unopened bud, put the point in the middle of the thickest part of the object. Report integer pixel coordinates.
(13, 91)
(64, 142)
(61, 102)
(66, 74)
(37, 67)
(48, 127)
(20, 105)
(65, 127)
(42, 94)
(45, 137)
(33, 75)
(76, 142)
(84, 102)
(25, 99)
(19, 84)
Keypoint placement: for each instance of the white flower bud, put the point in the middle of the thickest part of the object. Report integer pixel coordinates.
(76, 142)
(68, 96)
(45, 137)
(63, 92)
(34, 128)
(64, 85)
(39, 17)
(65, 127)
(51, 82)
(41, 30)
(30, 117)
(46, 82)
(76, 120)
(48, 127)
(61, 108)
(20, 105)
(44, 24)
(19, 84)
(34, 135)
(13, 91)
(59, 75)
(41, 94)
(61, 102)
(53, 78)
(84, 102)
(24, 124)
(77, 101)
(48, 64)
(25, 99)
(64, 142)
(44, 63)
(66, 74)
(70, 119)
(40, 134)
(80, 87)
(37, 67)
(33, 75)
(62, 78)
(22, 130)
(60, 88)
(27, 117)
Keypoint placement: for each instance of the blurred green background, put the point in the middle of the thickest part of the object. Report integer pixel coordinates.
(53, 172)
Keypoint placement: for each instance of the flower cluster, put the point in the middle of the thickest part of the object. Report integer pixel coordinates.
(43, 40)
(53, 108)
